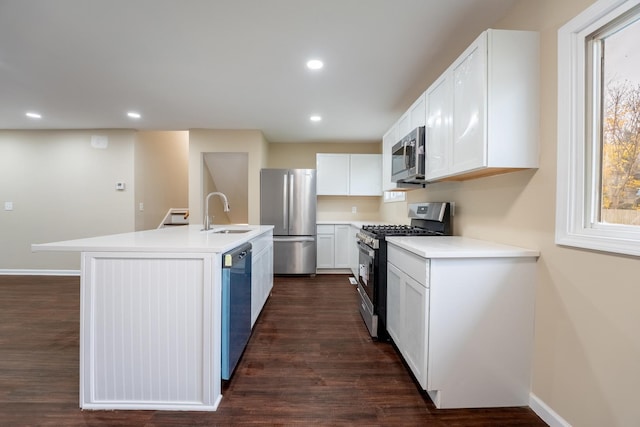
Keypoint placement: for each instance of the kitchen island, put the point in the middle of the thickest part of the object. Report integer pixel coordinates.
(150, 314)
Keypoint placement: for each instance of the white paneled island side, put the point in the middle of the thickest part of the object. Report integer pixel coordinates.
(150, 314)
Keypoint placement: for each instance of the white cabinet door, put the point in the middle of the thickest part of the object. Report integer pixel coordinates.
(404, 125)
(470, 108)
(415, 317)
(261, 273)
(342, 246)
(417, 112)
(365, 177)
(354, 254)
(388, 141)
(412, 118)
(438, 127)
(325, 250)
(332, 174)
(408, 309)
(394, 287)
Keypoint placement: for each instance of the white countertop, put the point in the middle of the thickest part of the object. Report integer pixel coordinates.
(358, 224)
(458, 247)
(183, 239)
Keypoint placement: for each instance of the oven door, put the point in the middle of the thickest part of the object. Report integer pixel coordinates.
(366, 285)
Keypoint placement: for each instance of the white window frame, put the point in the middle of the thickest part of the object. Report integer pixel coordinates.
(577, 176)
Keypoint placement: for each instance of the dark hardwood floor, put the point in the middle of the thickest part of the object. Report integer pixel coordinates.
(310, 361)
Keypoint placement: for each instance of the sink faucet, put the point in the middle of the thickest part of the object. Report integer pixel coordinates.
(207, 224)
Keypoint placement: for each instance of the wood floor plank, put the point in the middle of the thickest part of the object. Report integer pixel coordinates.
(310, 361)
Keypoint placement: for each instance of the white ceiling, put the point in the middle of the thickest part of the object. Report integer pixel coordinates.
(228, 64)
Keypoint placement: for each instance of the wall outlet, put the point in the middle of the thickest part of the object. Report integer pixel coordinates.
(141, 207)
(354, 209)
(8, 206)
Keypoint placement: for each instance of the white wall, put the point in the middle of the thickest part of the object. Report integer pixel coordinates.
(61, 188)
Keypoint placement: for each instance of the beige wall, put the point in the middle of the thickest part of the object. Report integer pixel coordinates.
(161, 175)
(303, 156)
(62, 188)
(225, 141)
(228, 173)
(286, 155)
(587, 348)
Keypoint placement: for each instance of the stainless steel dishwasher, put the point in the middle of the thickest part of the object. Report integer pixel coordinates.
(236, 306)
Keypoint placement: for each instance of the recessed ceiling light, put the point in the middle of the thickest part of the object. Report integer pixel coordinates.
(314, 64)
(134, 115)
(33, 115)
(315, 118)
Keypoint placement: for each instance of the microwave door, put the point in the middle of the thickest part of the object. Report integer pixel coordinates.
(398, 162)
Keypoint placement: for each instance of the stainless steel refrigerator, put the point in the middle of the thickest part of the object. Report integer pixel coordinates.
(288, 202)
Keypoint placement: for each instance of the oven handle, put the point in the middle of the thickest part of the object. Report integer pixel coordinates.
(366, 249)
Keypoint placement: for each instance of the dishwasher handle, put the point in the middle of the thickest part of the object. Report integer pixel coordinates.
(229, 259)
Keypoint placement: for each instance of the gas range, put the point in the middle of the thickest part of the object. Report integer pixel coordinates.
(427, 219)
(372, 234)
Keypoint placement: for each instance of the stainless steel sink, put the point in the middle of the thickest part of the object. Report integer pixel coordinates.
(232, 231)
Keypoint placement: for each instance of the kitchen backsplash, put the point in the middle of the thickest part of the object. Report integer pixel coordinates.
(340, 208)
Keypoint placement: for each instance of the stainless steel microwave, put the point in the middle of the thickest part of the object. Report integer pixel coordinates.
(407, 158)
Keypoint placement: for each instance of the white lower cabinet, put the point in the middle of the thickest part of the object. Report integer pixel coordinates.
(325, 246)
(261, 273)
(408, 315)
(354, 254)
(464, 326)
(334, 246)
(341, 246)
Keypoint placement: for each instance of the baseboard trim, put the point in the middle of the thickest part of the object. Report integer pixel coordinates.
(11, 272)
(545, 412)
(333, 271)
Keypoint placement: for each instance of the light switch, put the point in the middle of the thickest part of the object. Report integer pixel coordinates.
(120, 186)
(8, 206)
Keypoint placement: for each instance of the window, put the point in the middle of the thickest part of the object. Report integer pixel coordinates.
(598, 193)
(394, 196)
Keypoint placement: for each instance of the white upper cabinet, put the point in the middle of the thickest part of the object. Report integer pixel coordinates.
(417, 114)
(438, 127)
(365, 178)
(388, 140)
(469, 74)
(412, 118)
(483, 112)
(348, 174)
(332, 174)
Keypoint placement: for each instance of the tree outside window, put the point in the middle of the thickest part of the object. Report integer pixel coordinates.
(620, 141)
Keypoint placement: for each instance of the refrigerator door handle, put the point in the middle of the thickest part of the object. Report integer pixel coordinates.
(285, 202)
(291, 198)
(294, 238)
